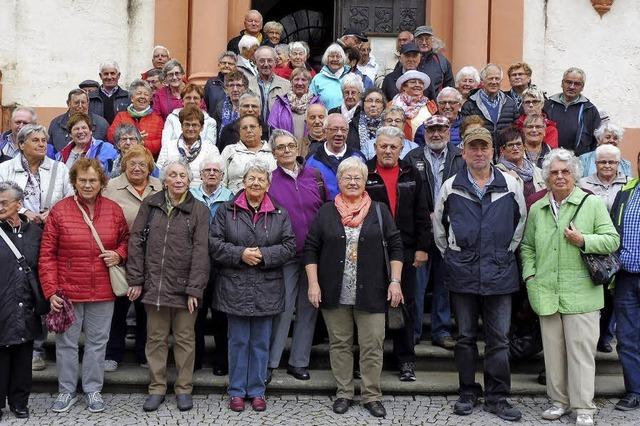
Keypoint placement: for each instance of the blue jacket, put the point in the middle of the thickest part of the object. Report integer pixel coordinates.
(101, 150)
(223, 195)
(478, 237)
(588, 161)
(328, 166)
(328, 87)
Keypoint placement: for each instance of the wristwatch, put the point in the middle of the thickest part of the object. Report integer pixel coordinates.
(395, 280)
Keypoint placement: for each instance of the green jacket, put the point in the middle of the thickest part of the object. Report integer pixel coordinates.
(561, 281)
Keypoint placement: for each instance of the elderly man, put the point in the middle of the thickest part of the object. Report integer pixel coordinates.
(399, 185)
(214, 92)
(316, 122)
(575, 116)
(478, 223)
(20, 117)
(368, 65)
(449, 102)
(77, 101)
(434, 64)
(437, 161)
(268, 85)
(111, 98)
(352, 37)
(159, 56)
(244, 61)
(327, 158)
(497, 109)
(409, 60)
(248, 104)
(402, 38)
(89, 86)
(520, 79)
(252, 27)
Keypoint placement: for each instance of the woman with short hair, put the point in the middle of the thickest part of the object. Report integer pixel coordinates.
(532, 103)
(607, 134)
(273, 30)
(192, 94)
(411, 98)
(362, 132)
(168, 98)
(226, 113)
(467, 80)
(214, 91)
(533, 131)
(298, 56)
(327, 83)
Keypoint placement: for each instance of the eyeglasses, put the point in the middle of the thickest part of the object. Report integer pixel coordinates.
(210, 171)
(174, 74)
(356, 179)
(607, 162)
(4, 204)
(337, 129)
(191, 125)
(573, 83)
(448, 102)
(287, 146)
(557, 173)
(513, 145)
(531, 102)
(137, 164)
(533, 126)
(234, 85)
(396, 121)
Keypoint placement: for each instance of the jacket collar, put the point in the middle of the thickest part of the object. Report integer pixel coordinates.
(266, 206)
(158, 200)
(372, 165)
(121, 182)
(575, 197)
(594, 180)
(461, 181)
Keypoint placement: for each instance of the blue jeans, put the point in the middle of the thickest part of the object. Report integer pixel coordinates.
(627, 307)
(496, 316)
(248, 354)
(440, 307)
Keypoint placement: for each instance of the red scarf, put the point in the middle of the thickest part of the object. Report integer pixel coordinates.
(353, 214)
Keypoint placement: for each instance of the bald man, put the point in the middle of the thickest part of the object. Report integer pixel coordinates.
(252, 27)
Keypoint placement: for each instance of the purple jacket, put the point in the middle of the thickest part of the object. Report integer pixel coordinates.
(280, 115)
(301, 197)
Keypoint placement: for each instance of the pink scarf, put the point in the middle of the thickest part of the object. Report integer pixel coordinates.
(353, 214)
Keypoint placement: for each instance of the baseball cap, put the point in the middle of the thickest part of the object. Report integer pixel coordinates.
(478, 134)
(422, 30)
(436, 120)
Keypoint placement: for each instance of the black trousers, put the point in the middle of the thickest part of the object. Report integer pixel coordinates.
(15, 374)
(403, 341)
(220, 354)
(118, 332)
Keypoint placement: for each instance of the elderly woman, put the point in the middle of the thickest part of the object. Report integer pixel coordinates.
(192, 94)
(567, 221)
(169, 265)
(298, 55)
(83, 144)
(327, 83)
(140, 114)
(128, 190)
(168, 98)
(467, 80)
(251, 239)
(282, 51)
(126, 137)
(532, 103)
(362, 132)
(72, 265)
(607, 134)
(189, 147)
(357, 290)
(20, 325)
(394, 117)
(513, 161)
(533, 131)
(352, 89)
(214, 89)
(235, 85)
(273, 30)
(235, 157)
(289, 112)
(416, 106)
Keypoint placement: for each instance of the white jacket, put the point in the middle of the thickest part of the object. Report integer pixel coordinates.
(170, 152)
(12, 170)
(235, 158)
(173, 129)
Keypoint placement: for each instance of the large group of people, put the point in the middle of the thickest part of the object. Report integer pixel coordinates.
(279, 191)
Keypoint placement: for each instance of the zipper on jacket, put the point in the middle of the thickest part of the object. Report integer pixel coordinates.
(164, 247)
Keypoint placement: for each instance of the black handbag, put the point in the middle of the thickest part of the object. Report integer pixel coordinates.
(395, 316)
(602, 267)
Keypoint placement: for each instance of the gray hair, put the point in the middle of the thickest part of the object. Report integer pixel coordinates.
(171, 64)
(533, 92)
(468, 71)
(228, 54)
(279, 133)
(217, 160)
(608, 126)
(273, 25)
(333, 48)
(608, 149)
(270, 49)
(34, 116)
(247, 42)
(353, 163)
(29, 129)
(390, 132)
(109, 64)
(299, 45)
(450, 91)
(575, 70)
(139, 83)
(127, 129)
(282, 48)
(352, 80)
(566, 156)
(158, 47)
(9, 185)
(76, 92)
(392, 110)
(257, 165)
(249, 95)
(171, 163)
(485, 70)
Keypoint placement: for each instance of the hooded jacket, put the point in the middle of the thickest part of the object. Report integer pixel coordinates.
(575, 123)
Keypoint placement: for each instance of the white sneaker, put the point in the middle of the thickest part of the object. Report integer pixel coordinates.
(584, 420)
(554, 413)
(110, 365)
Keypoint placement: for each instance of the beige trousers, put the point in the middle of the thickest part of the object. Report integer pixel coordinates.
(569, 342)
(370, 340)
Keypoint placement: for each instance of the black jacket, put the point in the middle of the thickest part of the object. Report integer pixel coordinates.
(232, 45)
(214, 94)
(453, 163)
(326, 245)
(59, 135)
(412, 216)
(18, 323)
(575, 123)
(120, 102)
(438, 68)
(508, 113)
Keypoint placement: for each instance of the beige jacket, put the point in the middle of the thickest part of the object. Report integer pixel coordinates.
(125, 195)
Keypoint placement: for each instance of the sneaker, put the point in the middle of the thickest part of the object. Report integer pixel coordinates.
(630, 401)
(584, 420)
(407, 373)
(258, 403)
(464, 405)
(554, 413)
(38, 363)
(110, 365)
(236, 403)
(95, 404)
(504, 410)
(64, 402)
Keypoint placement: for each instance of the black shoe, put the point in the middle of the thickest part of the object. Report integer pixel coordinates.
(299, 373)
(447, 342)
(464, 405)
(542, 378)
(269, 376)
(604, 347)
(629, 402)
(407, 373)
(375, 408)
(504, 410)
(184, 401)
(20, 413)
(220, 371)
(341, 405)
(153, 402)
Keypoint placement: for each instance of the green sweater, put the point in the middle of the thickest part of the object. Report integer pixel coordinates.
(561, 281)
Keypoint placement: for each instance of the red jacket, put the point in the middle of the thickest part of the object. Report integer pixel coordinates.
(152, 124)
(551, 133)
(69, 255)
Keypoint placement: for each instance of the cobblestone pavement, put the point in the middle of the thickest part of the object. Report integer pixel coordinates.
(125, 409)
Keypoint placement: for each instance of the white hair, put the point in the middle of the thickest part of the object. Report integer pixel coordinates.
(608, 126)
(270, 49)
(298, 45)
(352, 80)
(333, 48)
(468, 71)
(352, 163)
(159, 46)
(217, 160)
(575, 70)
(533, 92)
(171, 163)
(108, 64)
(566, 156)
(257, 165)
(34, 116)
(485, 70)
(608, 149)
(450, 91)
(247, 42)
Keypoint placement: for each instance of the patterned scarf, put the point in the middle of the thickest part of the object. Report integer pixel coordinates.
(193, 152)
(32, 192)
(410, 105)
(139, 114)
(352, 215)
(228, 114)
(300, 104)
(493, 105)
(525, 172)
(367, 127)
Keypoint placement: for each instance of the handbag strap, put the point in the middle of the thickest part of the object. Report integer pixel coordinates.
(384, 241)
(12, 246)
(85, 216)
(579, 206)
(52, 184)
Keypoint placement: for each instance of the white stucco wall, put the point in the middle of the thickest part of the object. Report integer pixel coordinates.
(559, 34)
(47, 47)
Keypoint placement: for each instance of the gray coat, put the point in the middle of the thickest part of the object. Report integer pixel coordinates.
(246, 290)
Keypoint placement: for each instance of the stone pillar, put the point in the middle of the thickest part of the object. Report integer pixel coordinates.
(208, 37)
(470, 33)
(440, 16)
(235, 18)
(507, 32)
(171, 28)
